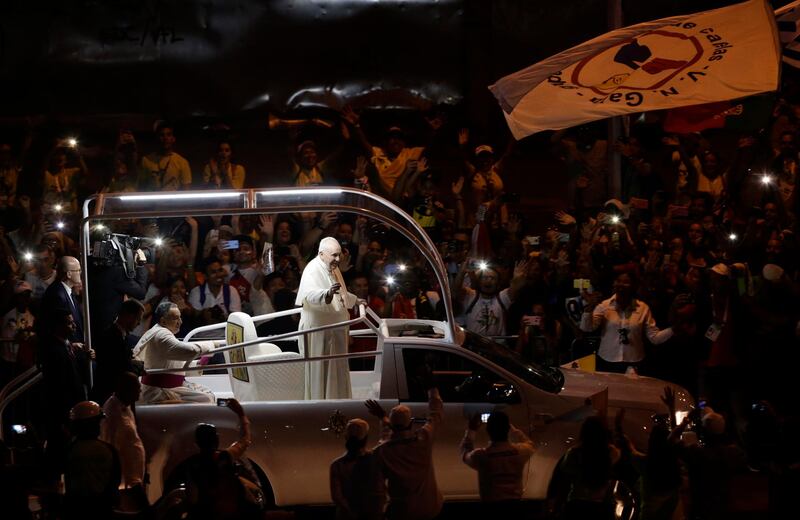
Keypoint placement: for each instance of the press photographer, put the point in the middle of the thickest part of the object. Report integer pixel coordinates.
(116, 271)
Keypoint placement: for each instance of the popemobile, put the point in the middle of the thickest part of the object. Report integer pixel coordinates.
(294, 439)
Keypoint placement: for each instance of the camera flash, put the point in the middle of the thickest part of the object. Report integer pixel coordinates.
(60, 225)
(58, 207)
(732, 236)
(158, 241)
(615, 219)
(99, 227)
(401, 267)
(390, 280)
(28, 256)
(482, 266)
(766, 179)
(72, 142)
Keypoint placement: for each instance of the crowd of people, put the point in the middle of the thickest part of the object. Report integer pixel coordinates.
(689, 275)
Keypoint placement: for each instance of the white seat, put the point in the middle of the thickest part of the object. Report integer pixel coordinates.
(282, 382)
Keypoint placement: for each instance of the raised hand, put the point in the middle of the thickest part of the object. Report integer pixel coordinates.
(565, 219)
(236, 407)
(344, 130)
(361, 167)
(521, 268)
(375, 408)
(266, 224)
(458, 186)
(326, 219)
(349, 115)
(463, 137)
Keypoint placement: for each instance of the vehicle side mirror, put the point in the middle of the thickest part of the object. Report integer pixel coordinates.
(503, 393)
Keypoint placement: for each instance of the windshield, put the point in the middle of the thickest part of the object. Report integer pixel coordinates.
(161, 220)
(549, 379)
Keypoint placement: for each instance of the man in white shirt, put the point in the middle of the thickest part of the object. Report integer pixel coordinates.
(119, 430)
(484, 310)
(159, 348)
(215, 298)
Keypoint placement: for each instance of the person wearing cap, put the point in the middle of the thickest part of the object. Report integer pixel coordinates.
(405, 456)
(395, 162)
(92, 473)
(158, 348)
(165, 170)
(221, 172)
(358, 487)
(501, 465)
(325, 300)
(484, 169)
(306, 166)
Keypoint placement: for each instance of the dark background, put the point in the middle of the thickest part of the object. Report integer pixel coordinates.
(88, 67)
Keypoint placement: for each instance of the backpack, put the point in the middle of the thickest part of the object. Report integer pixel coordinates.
(226, 296)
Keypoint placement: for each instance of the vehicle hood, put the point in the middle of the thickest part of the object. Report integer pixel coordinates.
(624, 391)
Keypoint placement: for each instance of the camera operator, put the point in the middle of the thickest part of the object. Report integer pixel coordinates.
(111, 284)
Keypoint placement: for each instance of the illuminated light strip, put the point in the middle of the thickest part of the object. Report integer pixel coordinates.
(173, 196)
(316, 191)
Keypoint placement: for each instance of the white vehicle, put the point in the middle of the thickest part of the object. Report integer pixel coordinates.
(295, 440)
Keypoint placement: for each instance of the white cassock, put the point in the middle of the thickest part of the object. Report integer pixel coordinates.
(159, 348)
(324, 379)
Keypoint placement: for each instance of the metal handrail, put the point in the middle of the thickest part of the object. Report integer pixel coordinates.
(362, 310)
(256, 319)
(199, 368)
(16, 380)
(13, 395)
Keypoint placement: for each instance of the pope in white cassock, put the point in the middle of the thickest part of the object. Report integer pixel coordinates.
(325, 300)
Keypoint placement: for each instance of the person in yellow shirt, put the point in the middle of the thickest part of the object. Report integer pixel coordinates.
(221, 171)
(165, 170)
(398, 166)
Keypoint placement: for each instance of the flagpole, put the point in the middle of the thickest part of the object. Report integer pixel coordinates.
(614, 16)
